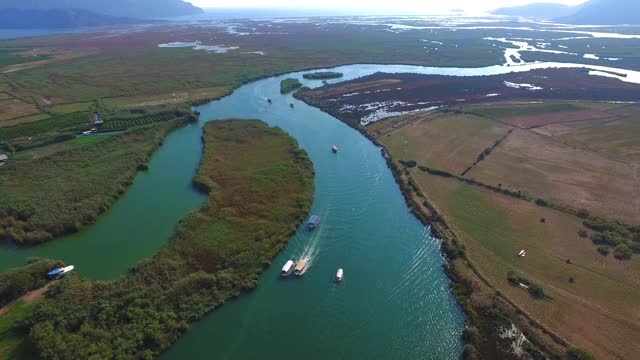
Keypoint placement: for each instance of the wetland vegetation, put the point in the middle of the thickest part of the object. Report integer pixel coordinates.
(260, 186)
(323, 75)
(488, 211)
(61, 192)
(288, 85)
(485, 215)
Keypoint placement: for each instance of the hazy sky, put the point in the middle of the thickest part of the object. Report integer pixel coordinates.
(420, 6)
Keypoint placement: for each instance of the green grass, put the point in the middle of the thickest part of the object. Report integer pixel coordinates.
(8, 57)
(260, 187)
(86, 140)
(59, 193)
(69, 122)
(71, 108)
(532, 109)
(288, 85)
(125, 123)
(13, 340)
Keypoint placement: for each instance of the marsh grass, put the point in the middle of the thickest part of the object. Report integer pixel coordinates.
(260, 186)
(58, 194)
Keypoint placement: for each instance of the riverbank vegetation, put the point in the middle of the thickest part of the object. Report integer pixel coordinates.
(59, 193)
(18, 281)
(288, 85)
(260, 187)
(323, 75)
(486, 218)
(495, 220)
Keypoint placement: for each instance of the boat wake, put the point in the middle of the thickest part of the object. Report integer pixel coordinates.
(311, 249)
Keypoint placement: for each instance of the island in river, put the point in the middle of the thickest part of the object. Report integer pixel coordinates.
(323, 75)
(215, 254)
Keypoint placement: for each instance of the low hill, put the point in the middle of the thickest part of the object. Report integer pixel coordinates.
(595, 12)
(606, 12)
(119, 8)
(56, 19)
(537, 10)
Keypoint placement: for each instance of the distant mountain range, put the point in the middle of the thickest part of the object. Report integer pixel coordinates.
(57, 19)
(73, 13)
(537, 10)
(596, 12)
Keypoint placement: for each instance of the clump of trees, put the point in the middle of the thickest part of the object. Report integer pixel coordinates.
(408, 163)
(323, 75)
(18, 281)
(609, 235)
(535, 290)
(574, 353)
(288, 85)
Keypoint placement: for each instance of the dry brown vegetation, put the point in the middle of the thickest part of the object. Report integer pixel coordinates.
(555, 171)
(597, 311)
(458, 138)
(592, 299)
(13, 108)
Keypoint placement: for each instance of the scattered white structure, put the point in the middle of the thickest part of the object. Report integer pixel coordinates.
(287, 269)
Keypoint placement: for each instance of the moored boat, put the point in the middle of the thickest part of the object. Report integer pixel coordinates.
(287, 268)
(56, 273)
(313, 222)
(301, 267)
(339, 275)
(334, 149)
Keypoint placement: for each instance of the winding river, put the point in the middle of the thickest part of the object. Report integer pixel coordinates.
(394, 301)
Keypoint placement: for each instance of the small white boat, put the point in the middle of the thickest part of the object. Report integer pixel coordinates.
(334, 149)
(301, 267)
(287, 269)
(56, 273)
(340, 275)
(522, 253)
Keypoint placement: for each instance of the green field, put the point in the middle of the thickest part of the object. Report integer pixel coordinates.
(61, 123)
(13, 339)
(260, 187)
(125, 123)
(9, 56)
(529, 109)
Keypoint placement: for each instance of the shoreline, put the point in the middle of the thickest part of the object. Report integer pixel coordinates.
(453, 253)
(204, 276)
(126, 183)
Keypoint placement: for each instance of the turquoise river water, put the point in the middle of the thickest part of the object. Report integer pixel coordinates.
(394, 302)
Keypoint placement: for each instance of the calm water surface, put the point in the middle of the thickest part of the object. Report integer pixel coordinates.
(394, 302)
